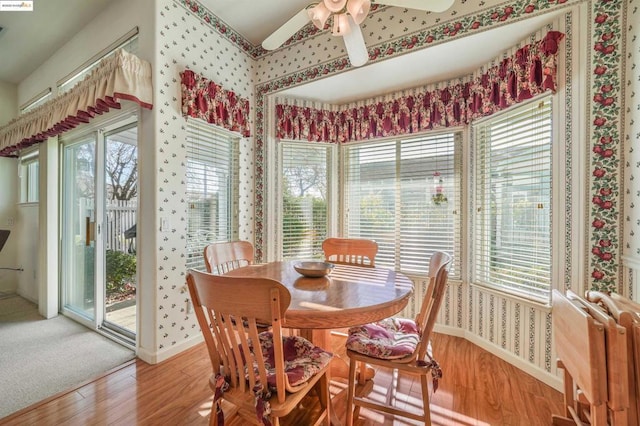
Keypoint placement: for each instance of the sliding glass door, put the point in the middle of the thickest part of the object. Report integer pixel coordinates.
(79, 229)
(98, 228)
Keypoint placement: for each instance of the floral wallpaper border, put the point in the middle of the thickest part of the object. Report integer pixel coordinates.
(604, 130)
(606, 113)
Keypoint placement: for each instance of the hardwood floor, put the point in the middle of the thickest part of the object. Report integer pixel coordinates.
(477, 388)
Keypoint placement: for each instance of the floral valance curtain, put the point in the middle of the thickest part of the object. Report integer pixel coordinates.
(202, 98)
(528, 72)
(120, 76)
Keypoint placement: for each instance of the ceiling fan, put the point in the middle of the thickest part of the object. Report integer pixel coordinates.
(347, 15)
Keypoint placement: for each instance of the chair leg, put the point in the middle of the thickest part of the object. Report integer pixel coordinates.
(393, 387)
(213, 417)
(424, 381)
(350, 392)
(325, 397)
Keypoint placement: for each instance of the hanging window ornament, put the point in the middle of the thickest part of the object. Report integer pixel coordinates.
(438, 196)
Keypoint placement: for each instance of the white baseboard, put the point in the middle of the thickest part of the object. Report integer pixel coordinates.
(164, 354)
(542, 375)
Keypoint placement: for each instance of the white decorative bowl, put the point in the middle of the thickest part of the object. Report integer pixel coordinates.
(313, 269)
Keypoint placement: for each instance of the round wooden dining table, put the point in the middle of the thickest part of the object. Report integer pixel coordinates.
(348, 296)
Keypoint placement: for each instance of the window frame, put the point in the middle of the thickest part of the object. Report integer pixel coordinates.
(542, 296)
(27, 179)
(458, 136)
(193, 256)
(332, 191)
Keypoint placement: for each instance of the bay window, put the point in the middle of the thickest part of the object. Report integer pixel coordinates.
(406, 195)
(305, 184)
(512, 225)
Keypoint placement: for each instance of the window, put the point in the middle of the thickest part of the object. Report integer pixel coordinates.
(129, 42)
(304, 199)
(512, 235)
(211, 179)
(36, 101)
(405, 195)
(29, 176)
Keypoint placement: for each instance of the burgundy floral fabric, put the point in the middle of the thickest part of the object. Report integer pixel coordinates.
(391, 338)
(302, 359)
(202, 98)
(529, 72)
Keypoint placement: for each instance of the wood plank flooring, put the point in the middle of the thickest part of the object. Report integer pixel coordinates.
(477, 388)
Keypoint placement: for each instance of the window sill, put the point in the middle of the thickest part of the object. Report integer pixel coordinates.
(539, 303)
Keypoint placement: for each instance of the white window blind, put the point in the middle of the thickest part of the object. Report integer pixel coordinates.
(513, 201)
(304, 188)
(211, 176)
(405, 195)
(29, 177)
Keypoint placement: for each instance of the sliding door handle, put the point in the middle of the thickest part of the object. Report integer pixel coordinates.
(89, 231)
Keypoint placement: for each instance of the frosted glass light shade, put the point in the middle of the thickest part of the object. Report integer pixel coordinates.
(335, 5)
(341, 25)
(319, 15)
(358, 9)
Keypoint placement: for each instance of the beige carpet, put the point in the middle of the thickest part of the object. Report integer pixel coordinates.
(40, 358)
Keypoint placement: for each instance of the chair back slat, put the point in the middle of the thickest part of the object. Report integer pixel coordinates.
(426, 321)
(235, 307)
(222, 257)
(350, 251)
(435, 262)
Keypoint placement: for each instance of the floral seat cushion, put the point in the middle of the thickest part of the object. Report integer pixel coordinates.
(391, 338)
(302, 359)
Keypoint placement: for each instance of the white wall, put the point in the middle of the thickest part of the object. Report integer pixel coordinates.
(8, 200)
(27, 250)
(8, 102)
(8, 194)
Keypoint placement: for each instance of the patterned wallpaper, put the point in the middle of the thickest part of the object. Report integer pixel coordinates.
(631, 141)
(191, 37)
(184, 41)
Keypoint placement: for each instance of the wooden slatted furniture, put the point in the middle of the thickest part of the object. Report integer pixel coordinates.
(248, 363)
(399, 344)
(350, 251)
(616, 358)
(220, 258)
(581, 350)
(627, 314)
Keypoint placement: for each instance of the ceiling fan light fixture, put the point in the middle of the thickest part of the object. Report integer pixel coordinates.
(358, 9)
(354, 43)
(341, 25)
(335, 5)
(319, 15)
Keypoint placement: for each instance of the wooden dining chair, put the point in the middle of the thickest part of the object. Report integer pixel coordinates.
(350, 251)
(222, 257)
(402, 345)
(263, 375)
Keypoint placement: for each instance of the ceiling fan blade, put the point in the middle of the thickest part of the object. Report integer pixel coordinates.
(428, 5)
(287, 30)
(354, 43)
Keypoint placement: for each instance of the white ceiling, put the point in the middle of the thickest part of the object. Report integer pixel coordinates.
(30, 38)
